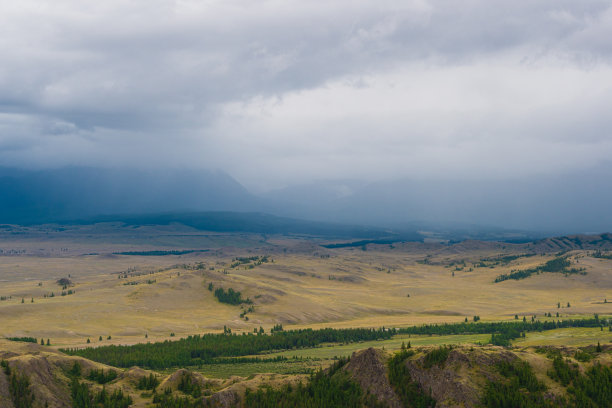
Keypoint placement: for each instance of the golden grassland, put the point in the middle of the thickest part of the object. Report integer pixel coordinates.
(302, 286)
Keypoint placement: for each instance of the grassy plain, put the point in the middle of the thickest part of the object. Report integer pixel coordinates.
(304, 285)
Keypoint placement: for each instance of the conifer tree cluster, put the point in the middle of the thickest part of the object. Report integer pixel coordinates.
(148, 383)
(332, 388)
(201, 349)
(84, 397)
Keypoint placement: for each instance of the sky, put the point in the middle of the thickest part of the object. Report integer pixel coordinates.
(278, 93)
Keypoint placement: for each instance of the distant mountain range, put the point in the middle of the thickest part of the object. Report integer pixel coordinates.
(452, 209)
(79, 192)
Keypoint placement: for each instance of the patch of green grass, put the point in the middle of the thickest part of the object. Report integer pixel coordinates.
(574, 336)
(329, 351)
(247, 369)
(313, 358)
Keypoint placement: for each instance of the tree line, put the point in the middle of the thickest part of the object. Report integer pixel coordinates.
(204, 349)
(207, 348)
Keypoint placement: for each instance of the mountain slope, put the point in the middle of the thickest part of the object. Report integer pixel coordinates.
(461, 376)
(72, 193)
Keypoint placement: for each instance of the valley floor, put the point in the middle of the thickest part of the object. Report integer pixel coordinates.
(91, 290)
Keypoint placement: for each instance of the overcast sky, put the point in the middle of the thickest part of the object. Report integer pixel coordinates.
(285, 92)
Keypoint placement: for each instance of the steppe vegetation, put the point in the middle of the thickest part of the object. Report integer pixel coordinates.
(246, 305)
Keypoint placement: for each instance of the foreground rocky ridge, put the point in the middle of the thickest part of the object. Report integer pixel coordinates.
(453, 377)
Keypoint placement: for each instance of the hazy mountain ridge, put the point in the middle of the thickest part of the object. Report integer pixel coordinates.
(459, 209)
(574, 242)
(77, 192)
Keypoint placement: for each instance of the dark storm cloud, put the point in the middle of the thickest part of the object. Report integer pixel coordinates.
(317, 89)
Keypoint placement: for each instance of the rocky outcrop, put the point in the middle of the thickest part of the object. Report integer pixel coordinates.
(368, 368)
(44, 378)
(458, 382)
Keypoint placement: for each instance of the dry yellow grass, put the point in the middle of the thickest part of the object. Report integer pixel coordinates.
(350, 288)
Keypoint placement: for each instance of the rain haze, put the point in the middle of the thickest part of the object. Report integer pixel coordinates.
(481, 112)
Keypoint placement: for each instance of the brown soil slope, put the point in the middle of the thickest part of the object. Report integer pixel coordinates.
(459, 380)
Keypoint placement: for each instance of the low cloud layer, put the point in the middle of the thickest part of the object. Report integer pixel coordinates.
(278, 93)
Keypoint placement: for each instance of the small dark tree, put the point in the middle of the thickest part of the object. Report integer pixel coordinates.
(75, 370)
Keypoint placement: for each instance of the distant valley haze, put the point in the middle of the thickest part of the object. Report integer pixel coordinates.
(554, 204)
